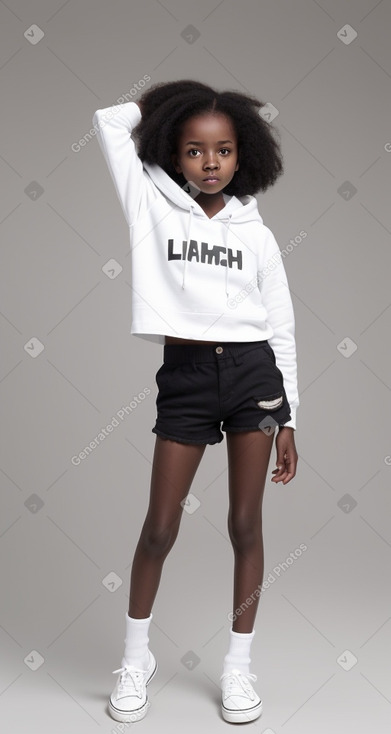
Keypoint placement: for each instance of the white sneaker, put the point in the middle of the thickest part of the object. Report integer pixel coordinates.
(129, 701)
(239, 702)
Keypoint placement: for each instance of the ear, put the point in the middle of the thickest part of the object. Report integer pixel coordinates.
(174, 160)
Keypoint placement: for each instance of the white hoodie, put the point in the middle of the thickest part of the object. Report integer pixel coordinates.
(195, 277)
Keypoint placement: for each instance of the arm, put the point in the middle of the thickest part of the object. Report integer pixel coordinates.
(276, 297)
(274, 288)
(114, 126)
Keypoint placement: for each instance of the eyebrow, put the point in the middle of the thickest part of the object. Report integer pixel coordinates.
(198, 142)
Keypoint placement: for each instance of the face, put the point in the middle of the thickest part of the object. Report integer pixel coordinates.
(207, 147)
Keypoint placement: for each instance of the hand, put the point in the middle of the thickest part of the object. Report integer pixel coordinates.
(287, 456)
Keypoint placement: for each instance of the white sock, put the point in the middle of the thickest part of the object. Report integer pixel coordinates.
(136, 642)
(238, 655)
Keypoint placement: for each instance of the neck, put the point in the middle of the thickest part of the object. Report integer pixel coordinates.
(211, 202)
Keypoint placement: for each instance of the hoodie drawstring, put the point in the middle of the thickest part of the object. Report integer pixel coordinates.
(226, 247)
(188, 244)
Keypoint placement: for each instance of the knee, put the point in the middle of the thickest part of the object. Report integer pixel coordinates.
(244, 532)
(157, 540)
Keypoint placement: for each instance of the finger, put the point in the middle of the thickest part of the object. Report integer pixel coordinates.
(279, 473)
(280, 460)
(279, 469)
(290, 471)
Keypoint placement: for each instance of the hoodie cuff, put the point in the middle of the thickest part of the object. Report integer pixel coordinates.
(129, 113)
(135, 112)
(292, 422)
(132, 112)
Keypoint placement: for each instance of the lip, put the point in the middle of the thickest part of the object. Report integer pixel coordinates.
(211, 179)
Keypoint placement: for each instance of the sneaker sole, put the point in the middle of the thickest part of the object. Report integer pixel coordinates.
(126, 717)
(240, 717)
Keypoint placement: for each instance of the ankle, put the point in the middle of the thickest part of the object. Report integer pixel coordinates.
(136, 642)
(238, 655)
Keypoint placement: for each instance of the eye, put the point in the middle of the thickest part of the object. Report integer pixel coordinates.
(192, 151)
(226, 149)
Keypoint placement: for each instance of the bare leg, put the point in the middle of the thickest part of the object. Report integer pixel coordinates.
(248, 460)
(173, 470)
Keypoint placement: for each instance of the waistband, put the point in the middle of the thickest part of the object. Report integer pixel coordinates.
(177, 353)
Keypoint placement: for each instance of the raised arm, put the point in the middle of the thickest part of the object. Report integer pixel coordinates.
(114, 127)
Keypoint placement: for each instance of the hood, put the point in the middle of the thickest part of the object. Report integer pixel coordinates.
(236, 211)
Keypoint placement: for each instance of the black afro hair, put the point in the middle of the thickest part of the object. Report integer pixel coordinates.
(167, 105)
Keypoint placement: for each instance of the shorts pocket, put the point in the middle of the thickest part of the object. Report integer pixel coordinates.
(159, 373)
(270, 351)
(165, 374)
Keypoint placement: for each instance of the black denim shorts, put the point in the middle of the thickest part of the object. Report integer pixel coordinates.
(202, 385)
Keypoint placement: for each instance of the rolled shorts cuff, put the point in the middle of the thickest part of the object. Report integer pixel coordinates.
(181, 439)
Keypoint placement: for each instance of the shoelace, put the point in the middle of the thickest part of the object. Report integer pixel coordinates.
(238, 683)
(130, 680)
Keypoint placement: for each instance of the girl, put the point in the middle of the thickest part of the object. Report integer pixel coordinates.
(208, 283)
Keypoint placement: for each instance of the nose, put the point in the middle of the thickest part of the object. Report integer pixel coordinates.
(211, 162)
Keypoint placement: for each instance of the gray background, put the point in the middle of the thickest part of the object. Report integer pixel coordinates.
(68, 533)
